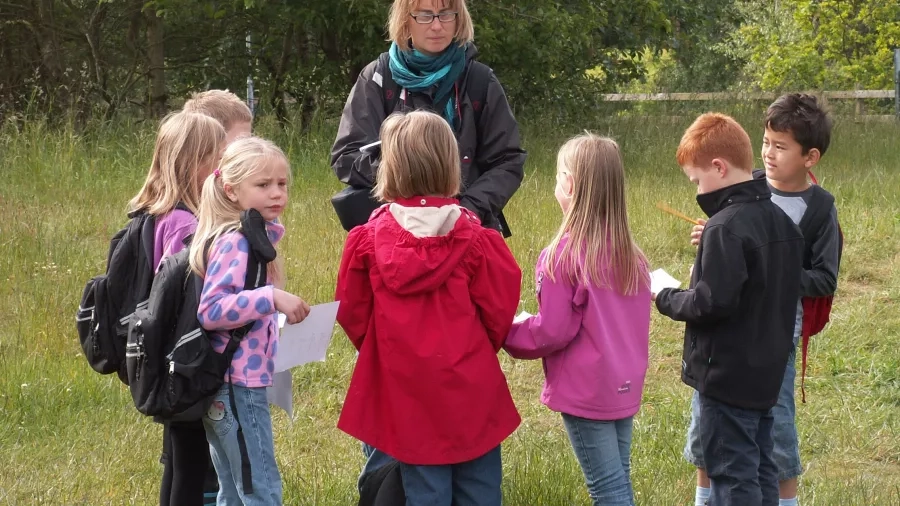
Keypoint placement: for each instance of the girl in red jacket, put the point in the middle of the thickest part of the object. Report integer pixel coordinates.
(427, 297)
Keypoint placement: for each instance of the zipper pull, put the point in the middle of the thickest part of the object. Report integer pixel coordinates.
(172, 367)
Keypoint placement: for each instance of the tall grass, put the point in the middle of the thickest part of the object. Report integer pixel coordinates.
(70, 436)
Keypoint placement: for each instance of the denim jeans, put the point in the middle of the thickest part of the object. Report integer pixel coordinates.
(603, 449)
(221, 432)
(473, 483)
(737, 448)
(787, 445)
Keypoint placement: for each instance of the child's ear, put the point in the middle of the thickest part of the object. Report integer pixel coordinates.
(812, 158)
(568, 184)
(229, 192)
(720, 166)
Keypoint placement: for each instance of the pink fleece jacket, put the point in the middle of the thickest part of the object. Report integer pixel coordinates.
(594, 343)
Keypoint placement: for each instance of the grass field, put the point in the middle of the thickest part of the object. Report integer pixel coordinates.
(70, 436)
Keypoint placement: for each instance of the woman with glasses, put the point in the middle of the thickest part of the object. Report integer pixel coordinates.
(431, 65)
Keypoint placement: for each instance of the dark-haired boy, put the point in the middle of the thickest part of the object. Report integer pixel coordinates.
(797, 134)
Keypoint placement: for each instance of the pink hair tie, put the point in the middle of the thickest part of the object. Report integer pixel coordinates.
(217, 173)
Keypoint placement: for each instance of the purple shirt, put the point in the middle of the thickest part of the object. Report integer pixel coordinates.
(225, 305)
(594, 342)
(171, 229)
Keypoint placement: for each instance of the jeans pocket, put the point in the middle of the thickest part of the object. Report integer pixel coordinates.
(219, 416)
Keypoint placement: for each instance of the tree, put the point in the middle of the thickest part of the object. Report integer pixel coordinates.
(818, 44)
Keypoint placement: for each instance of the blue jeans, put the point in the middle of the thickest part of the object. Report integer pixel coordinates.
(787, 446)
(737, 448)
(256, 424)
(473, 483)
(603, 449)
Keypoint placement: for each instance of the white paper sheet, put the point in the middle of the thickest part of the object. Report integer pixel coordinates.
(308, 340)
(521, 317)
(281, 393)
(660, 279)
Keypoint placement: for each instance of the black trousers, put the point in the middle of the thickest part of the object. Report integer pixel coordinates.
(189, 478)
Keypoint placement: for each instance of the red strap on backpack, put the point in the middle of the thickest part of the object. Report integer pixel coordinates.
(816, 311)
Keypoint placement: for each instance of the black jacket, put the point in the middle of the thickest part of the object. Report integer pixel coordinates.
(492, 157)
(741, 307)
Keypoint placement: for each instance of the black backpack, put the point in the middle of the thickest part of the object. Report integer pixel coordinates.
(383, 487)
(354, 205)
(109, 300)
(172, 367)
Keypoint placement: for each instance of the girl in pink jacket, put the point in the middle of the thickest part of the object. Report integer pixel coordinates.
(593, 324)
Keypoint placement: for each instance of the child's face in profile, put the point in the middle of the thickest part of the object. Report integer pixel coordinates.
(207, 166)
(708, 179)
(783, 157)
(563, 190)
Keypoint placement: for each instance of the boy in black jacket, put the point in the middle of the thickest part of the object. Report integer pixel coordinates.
(797, 134)
(739, 310)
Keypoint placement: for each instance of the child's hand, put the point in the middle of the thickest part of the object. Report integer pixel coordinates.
(697, 231)
(294, 308)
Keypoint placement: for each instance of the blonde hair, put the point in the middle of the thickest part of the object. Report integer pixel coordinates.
(186, 143)
(714, 135)
(597, 220)
(222, 105)
(419, 156)
(219, 214)
(399, 19)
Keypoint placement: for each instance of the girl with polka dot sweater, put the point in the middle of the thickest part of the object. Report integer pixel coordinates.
(254, 174)
(225, 305)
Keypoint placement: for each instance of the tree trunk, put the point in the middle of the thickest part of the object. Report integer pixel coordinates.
(48, 42)
(308, 101)
(156, 61)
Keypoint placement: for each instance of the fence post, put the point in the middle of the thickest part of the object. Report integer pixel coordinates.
(897, 81)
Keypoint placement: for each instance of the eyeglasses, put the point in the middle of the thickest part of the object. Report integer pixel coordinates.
(427, 19)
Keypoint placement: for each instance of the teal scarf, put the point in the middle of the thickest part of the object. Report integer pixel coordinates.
(417, 72)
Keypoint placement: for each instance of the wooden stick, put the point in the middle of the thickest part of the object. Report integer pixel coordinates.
(677, 214)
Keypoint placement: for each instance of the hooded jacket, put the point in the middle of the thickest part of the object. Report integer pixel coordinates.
(427, 297)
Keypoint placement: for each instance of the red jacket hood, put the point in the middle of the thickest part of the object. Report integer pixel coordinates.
(415, 263)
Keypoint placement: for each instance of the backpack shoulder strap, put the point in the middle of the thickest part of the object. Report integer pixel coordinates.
(260, 253)
(148, 237)
(256, 277)
(818, 209)
(390, 91)
(477, 81)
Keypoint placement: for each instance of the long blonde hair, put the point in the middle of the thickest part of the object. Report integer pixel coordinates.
(219, 214)
(596, 221)
(186, 143)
